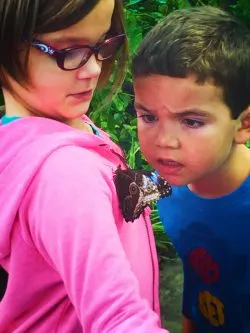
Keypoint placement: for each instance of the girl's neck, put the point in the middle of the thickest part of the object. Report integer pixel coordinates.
(13, 107)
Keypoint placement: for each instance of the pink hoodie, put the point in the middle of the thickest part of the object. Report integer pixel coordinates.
(74, 264)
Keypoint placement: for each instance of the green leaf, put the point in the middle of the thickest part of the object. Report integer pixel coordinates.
(133, 2)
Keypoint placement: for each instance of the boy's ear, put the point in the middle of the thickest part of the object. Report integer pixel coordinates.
(242, 134)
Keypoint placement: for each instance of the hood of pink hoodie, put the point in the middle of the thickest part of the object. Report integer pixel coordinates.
(23, 149)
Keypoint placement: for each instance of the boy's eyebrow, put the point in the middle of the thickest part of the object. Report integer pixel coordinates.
(191, 112)
(194, 112)
(142, 107)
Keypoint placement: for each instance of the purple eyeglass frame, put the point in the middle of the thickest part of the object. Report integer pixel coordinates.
(59, 55)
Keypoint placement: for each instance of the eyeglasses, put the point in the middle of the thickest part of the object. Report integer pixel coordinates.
(75, 57)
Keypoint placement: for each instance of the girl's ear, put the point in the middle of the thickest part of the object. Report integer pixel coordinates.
(242, 134)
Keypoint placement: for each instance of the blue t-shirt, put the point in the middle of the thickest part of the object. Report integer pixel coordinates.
(212, 237)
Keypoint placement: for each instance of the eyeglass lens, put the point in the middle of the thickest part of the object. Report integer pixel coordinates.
(76, 57)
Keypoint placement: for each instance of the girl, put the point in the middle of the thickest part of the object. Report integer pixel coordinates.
(74, 264)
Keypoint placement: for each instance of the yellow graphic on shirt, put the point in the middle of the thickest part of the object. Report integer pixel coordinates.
(211, 308)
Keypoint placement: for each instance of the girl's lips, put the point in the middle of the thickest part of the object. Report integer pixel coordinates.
(82, 96)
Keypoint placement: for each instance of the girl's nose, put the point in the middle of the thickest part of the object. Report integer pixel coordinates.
(91, 70)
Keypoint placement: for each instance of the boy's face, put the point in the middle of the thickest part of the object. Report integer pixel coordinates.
(185, 129)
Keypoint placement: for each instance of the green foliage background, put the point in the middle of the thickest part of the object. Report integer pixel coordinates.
(118, 118)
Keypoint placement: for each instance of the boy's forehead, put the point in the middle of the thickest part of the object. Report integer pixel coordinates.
(156, 90)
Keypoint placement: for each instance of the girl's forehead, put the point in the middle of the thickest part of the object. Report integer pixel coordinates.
(86, 30)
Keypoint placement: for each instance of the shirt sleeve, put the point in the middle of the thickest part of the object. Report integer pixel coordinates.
(72, 225)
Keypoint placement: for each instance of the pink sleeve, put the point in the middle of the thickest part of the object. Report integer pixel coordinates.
(73, 227)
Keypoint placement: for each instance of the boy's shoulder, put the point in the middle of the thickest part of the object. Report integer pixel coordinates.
(186, 211)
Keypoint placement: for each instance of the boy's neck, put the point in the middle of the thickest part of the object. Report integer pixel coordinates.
(228, 178)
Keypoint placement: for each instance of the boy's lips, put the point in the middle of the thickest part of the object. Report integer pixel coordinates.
(168, 162)
(169, 166)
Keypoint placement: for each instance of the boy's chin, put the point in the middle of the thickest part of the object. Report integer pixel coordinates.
(176, 181)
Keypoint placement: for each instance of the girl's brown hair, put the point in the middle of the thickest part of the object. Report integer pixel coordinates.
(20, 20)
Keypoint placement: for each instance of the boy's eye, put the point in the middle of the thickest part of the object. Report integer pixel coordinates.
(148, 118)
(193, 123)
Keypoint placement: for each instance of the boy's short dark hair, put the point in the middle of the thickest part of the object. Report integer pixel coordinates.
(203, 41)
(22, 20)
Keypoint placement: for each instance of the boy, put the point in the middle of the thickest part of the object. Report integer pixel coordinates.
(192, 97)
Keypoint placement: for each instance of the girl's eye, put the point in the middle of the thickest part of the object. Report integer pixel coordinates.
(193, 123)
(148, 118)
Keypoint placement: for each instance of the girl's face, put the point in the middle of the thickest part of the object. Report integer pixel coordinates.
(53, 92)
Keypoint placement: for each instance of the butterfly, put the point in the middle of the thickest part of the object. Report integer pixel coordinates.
(137, 189)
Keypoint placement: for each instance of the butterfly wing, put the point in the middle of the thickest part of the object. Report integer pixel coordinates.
(164, 187)
(136, 190)
(128, 191)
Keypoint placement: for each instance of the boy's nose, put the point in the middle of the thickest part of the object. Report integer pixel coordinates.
(166, 139)
(92, 69)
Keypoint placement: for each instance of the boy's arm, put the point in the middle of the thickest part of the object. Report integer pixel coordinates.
(188, 326)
